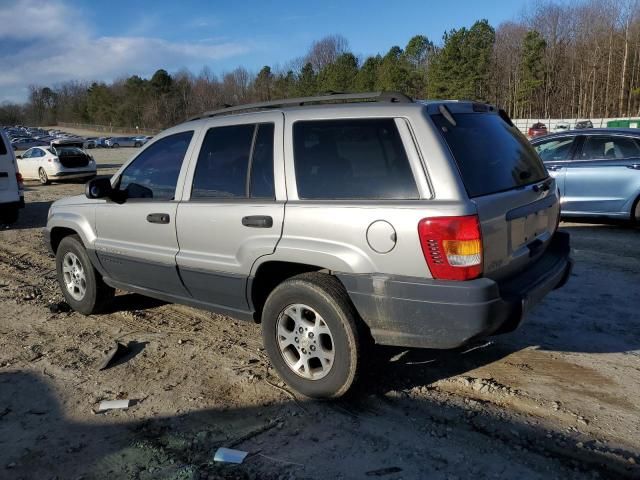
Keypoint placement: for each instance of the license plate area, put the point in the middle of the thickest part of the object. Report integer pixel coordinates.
(524, 230)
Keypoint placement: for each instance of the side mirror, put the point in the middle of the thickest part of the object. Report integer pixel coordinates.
(99, 187)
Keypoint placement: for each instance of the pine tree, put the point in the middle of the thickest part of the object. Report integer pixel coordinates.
(531, 71)
(339, 76)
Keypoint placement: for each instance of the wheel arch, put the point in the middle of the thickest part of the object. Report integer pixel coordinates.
(268, 275)
(65, 224)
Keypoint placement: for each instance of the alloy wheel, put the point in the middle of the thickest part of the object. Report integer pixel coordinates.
(75, 279)
(305, 341)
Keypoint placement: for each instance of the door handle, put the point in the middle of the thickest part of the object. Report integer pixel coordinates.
(158, 218)
(635, 166)
(258, 221)
(554, 168)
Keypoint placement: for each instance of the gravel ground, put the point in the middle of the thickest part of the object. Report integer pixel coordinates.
(558, 398)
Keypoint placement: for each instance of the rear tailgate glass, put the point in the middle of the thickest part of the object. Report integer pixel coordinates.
(492, 155)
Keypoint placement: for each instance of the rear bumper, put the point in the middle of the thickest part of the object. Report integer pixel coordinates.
(426, 313)
(71, 175)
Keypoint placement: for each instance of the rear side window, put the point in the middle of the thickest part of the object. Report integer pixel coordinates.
(609, 148)
(351, 159)
(235, 162)
(555, 150)
(492, 155)
(154, 173)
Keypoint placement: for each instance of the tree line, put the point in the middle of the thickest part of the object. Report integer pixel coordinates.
(560, 60)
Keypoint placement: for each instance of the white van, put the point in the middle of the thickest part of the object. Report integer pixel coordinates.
(11, 187)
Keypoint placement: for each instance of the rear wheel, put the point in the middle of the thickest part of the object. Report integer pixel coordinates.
(138, 145)
(309, 329)
(116, 145)
(42, 175)
(82, 286)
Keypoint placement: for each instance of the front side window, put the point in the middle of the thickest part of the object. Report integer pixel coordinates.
(609, 148)
(235, 162)
(351, 159)
(555, 150)
(154, 173)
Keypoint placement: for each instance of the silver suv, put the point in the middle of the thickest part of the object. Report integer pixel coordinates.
(333, 221)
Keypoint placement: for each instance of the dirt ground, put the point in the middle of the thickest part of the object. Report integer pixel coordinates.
(558, 398)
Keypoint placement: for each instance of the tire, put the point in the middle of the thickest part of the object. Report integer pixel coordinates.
(319, 304)
(42, 176)
(137, 145)
(88, 294)
(9, 216)
(116, 145)
(635, 212)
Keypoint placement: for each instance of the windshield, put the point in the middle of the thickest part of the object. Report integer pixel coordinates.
(492, 155)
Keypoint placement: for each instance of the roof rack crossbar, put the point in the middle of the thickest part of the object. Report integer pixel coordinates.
(333, 97)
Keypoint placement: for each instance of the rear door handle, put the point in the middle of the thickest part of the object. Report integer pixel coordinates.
(635, 166)
(258, 221)
(554, 168)
(158, 218)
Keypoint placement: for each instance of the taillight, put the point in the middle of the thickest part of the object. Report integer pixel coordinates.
(20, 181)
(452, 246)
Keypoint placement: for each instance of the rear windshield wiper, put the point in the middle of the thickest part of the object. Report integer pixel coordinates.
(447, 114)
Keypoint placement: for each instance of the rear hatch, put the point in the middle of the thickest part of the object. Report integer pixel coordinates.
(71, 156)
(516, 200)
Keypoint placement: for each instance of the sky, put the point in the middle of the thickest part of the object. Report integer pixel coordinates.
(45, 42)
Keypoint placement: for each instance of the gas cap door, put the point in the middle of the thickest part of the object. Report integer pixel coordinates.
(381, 236)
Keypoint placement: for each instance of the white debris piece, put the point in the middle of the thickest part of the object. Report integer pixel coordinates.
(229, 455)
(113, 405)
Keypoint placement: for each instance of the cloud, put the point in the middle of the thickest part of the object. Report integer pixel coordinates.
(65, 48)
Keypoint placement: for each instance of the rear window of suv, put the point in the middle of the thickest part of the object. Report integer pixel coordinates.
(351, 159)
(492, 155)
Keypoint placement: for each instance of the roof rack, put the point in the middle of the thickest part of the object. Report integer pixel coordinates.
(331, 97)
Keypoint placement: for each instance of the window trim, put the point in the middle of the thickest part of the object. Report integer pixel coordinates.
(401, 135)
(247, 183)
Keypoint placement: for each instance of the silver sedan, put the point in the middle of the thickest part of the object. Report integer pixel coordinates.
(597, 171)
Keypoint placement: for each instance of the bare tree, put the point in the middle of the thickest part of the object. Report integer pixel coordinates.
(325, 51)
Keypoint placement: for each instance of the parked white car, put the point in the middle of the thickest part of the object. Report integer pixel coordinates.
(57, 162)
(11, 189)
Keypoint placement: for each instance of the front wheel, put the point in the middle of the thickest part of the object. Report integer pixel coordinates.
(42, 176)
(309, 329)
(82, 287)
(635, 212)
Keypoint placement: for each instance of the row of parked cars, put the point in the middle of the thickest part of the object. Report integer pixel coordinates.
(538, 129)
(116, 142)
(23, 138)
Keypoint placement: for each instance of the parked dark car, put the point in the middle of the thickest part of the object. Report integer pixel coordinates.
(583, 124)
(537, 129)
